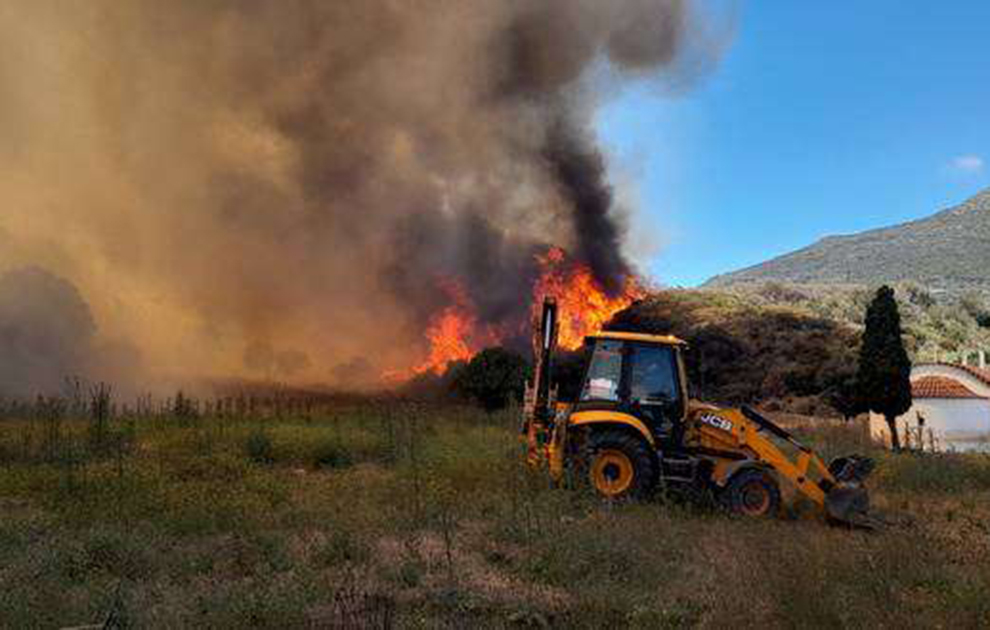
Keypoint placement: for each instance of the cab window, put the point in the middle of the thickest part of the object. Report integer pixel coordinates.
(604, 372)
(653, 378)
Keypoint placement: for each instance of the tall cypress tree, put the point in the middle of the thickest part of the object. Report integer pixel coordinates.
(884, 375)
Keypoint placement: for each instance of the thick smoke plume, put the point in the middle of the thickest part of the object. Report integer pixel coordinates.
(284, 187)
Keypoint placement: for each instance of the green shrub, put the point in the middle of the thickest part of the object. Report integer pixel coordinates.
(409, 573)
(338, 445)
(330, 454)
(493, 378)
(259, 448)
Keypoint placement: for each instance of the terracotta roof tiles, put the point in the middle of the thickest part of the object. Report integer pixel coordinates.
(980, 374)
(940, 387)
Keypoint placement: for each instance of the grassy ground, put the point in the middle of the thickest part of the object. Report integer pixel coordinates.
(361, 514)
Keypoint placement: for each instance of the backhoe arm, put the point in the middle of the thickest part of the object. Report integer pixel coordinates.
(742, 436)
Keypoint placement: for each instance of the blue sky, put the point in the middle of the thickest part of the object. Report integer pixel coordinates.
(821, 118)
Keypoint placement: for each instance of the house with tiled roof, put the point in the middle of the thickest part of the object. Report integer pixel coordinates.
(951, 409)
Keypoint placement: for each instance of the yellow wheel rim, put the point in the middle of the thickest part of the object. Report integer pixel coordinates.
(611, 472)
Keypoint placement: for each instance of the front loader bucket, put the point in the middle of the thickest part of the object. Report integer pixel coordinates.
(847, 502)
(849, 505)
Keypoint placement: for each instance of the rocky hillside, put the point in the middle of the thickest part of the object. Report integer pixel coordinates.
(948, 251)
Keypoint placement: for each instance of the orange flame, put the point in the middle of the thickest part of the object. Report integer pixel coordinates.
(448, 334)
(584, 307)
(455, 335)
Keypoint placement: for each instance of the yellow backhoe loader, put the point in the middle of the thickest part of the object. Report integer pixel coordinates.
(633, 427)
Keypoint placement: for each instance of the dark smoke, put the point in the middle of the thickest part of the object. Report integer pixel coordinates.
(541, 58)
(48, 336)
(499, 270)
(579, 170)
(46, 332)
(218, 177)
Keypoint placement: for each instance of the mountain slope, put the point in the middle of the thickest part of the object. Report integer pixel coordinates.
(949, 250)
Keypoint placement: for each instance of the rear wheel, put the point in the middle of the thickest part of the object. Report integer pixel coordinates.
(753, 493)
(619, 465)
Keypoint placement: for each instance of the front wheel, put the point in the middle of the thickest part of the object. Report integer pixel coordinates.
(752, 493)
(619, 465)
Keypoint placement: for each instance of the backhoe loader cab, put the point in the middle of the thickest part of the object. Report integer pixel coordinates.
(633, 427)
(639, 375)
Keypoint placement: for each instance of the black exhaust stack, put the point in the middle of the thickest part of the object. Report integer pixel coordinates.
(538, 412)
(547, 343)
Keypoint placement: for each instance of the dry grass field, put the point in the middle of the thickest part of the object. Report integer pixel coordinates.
(380, 513)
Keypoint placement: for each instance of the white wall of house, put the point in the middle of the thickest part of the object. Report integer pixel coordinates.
(950, 419)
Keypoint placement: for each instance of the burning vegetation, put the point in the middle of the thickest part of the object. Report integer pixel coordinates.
(382, 184)
(584, 305)
(455, 334)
